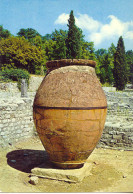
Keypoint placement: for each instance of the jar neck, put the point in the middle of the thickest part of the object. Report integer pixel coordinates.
(74, 68)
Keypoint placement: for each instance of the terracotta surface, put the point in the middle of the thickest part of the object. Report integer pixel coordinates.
(69, 112)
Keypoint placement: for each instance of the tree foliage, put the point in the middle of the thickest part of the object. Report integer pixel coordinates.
(49, 47)
(28, 33)
(104, 68)
(129, 58)
(87, 50)
(17, 52)
(73, 41)
(120, 66)
(59, 37)
(4, 33)
(30, 51)
(54, 46)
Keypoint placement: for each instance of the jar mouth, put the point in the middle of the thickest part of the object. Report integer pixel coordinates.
(53, 64)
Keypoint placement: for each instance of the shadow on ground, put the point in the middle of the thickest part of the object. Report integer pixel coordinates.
(26, 159)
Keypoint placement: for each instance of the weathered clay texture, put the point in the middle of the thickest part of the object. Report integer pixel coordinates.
(71, 87)
(70, 108)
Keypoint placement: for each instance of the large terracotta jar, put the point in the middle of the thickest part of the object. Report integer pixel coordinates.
(69, 111)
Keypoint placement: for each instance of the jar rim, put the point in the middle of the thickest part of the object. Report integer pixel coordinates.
(53, 64)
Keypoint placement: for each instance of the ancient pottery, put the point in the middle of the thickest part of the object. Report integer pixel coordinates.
(70, 109)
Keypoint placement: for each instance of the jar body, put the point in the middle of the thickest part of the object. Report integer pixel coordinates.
(70, 109)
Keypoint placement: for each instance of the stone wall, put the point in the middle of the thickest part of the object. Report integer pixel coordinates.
(11, 87)
(16, 117)
(118, 130)
(117, 136)
(34, 82)
(16, 120)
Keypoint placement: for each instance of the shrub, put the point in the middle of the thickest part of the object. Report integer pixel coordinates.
(16, 75)
(17, 52)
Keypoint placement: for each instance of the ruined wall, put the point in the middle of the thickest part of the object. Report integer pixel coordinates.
(11, 87)
(16, 121)
(118, 130)
(16, 117)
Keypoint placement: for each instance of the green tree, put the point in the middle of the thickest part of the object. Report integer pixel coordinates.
(111, 51)
(120, 66)
(38, 42)
(28, 33)
(104, 68)
(100, 69)
(129, 58)
(87, 50)
(73, 41)
(46, 37)
(60, 47)
(55, 46)
(17, 52)
(4, 33)
(108, 69)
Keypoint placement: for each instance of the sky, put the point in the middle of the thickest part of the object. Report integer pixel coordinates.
(102, 21)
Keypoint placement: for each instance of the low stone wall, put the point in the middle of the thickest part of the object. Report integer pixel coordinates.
(118, 130)
(12, 87)
(117, 136)
(16, 119)
(109, 89)
(34, 83)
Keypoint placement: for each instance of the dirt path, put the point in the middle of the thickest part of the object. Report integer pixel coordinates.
(112, 170)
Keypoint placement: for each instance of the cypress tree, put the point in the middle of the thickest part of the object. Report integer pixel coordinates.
(73, 41)
(120, 67)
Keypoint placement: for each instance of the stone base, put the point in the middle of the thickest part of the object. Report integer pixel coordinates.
(46, 170)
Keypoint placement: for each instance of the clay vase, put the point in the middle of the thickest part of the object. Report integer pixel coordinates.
(70, 109)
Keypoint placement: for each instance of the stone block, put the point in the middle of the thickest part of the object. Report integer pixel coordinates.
(2, 133)
(33, 180)
(111, 132)
(5, 121)
(69, 175)
(119, 141)
(23, 88)
(11, 124)
(131, 138)
(13, 120)
(1, 125)
(117, 137)
(120, 144)
(113, 141)
(129, 141)
(19, 131)
(106, 136)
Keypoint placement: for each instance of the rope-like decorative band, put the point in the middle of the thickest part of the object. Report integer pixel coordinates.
(70, 108)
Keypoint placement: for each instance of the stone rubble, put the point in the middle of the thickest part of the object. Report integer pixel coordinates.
(34, 180)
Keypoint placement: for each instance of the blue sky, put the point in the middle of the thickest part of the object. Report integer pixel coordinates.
(102, 21)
